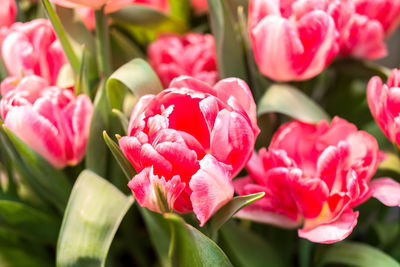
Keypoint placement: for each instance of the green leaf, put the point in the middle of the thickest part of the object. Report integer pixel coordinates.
(97, 152)
(95, 210)
(62, 36)
(189, 247)
(136, 76)
(28, 222)
(49, 183)
(15, 256)
(245, 248)
(122, 118)
(231, 208)
(228, 43)
(292, 102)
(145, 17)
(180, 10)
(123, 162)
(159, 233)
(356, 254)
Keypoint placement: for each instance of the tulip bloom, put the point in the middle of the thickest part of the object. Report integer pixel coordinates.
(112, 5)
(313, 176)
(32, 48)
(384, 104)
(52, 121)
(200, 6)
(187, 142)
(191, 54)
(291, 40)
(8, 13)
(371, 23)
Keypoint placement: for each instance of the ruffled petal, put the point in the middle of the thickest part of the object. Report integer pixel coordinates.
(332, 232)
(212, 188)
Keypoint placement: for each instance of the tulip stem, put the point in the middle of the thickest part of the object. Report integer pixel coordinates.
(103, 42)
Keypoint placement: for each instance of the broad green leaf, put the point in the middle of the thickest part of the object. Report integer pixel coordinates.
(189, 247)
(62, 36)
(122, 118)
(246, 249)
(123, 48)
(95, 210)
(258, 82)
(137, 76)
(228, 43)
(180, 10)
(97, 152)
(356, 254)
(15, 252)
(292, 102)
(360, 69)
(15, 257)
(28, 222)
(49, 183)
(231, 208)
(123, 162)
(145, 17)
(82, 41)
(159, 232)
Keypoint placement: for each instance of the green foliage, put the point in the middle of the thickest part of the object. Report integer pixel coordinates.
(95, 210)
(189, 247)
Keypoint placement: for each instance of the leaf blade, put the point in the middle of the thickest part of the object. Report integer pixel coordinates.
(90, 221)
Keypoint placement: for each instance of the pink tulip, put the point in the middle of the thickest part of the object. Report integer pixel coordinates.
(313, 176)
(187, 142)
(292, 40)
(191, 54)
(371, 23)
(87, 16)
(112, 5)
(52, 121)
(199, 6)
(384, 104)
(8, 13)
(32, 48)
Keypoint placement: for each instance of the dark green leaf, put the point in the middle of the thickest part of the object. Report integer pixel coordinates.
(97, 152)
(356, 254)
(231, 208)
(292, 102)
(189, 247)
(228, 43)
(49, 183)
(28, 222)
(62, 36)
(159, 233)
(123, 162)
(246, 249)
(95, 210)
(145, 17)
(137, 76)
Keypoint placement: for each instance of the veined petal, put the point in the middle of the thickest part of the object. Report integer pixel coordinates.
(332, 232)
(386, 190)
(212, 188)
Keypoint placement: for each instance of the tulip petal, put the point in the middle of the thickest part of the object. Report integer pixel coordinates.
(332, 232)
(143, 188)
(234, 91)
(38, 133)
(232, 140)
(212, 188)
(386, 190)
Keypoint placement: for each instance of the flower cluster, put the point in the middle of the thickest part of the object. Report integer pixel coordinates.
(192, 54)
(51, 120)
(313, 175)
(305, 35)
(188, 142)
